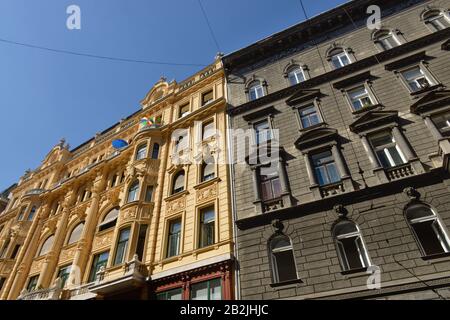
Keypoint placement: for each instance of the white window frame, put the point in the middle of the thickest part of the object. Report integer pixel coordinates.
(369, 92)
(296, 70)
(425, 74)
(339, 58)
(255, 87)
(430, 21)
(357, 235)
(381, 40)
(386, 151)
(276, 276)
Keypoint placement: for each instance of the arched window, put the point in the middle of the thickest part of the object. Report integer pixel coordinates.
(339, 58)
(155, 151)
(437, 20)
(282, 259)
(296, 75)
(352, 252)
(429, 231)
(46, 246)
(178, 182)
(114, 180)
(109, 220)
(133, 192)
(32, 213)
(255, 90)
(141, 151)
(75, 235)
(386, 39)
(208, 171)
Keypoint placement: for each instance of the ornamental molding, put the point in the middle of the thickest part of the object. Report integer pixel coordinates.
(102, 241)
(208, 193)
(176, 205)
(67, 254)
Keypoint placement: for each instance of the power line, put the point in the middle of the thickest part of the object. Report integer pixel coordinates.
(209, 26)
(68, 52)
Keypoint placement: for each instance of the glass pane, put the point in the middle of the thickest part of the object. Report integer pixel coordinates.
(428, 238)
(141, 241)
(276, 187)
(207, 97)
(46, 246)
(395, 155)
(215, 289)
(208, 130)
(263, 132)
(155, 152)
(199, 291)
(113, 214)
(141, 152)
(384, 161)
(321, 176)
(351, 253)
(280, 242)
(179, 183)
(418, 211)
(285, 264)
(266, 190)
(208, 171)
(76, 233)
(344, 227)
(149, 194)
(333, 174)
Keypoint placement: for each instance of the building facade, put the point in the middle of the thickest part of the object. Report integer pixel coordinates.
(134, 213)
(346, 175)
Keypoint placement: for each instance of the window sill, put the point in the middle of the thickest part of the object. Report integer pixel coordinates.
(319, 125)
(436, 256)
(430, 88)
(354, 271)
(285, 283)
(207, 183)
(368, 108)
(176, 195)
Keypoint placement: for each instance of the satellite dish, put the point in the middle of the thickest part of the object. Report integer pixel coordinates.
(119, 144)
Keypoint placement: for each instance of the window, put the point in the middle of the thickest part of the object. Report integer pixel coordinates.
(21, 213)
(178, 182)
(99, 261)
(155, 151)
(76, 233)
(309, 116)
(32, 283)
(282, 259)
(181, 142)
(174, 294)
(325, 168)
(174, 238)
(207, 97)
(114, 180)
(255, 91)
(46, 246)
(270, 183)
(263, 132)
(208, 130)
(5, 248)
(207, 290)
(340, 59)
(184, 110)
(351, 250)
(133, 192)
(2, 282)
(149, 194)
(387, 40)
(208, 171)
(63, 274)
(437, 20)
(140, 246)
(428, 230)
(442, 122)
(141, 152)
(416, 79)
(360, 98)
(32, 213)
(207, 221)
(296, 75)
(15, 251)
(122, 245)
(387, 150)
(109, 220)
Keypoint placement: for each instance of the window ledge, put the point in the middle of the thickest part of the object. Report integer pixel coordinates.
(354, 271)
(436, 256)
(368, 108)
(176, 195)
(430, 88)
(207, 183)
(285, 283)
(319, 125)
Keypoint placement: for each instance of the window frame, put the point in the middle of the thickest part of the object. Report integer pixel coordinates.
(174, 191)
(254, 86)
(273, 261)
(68, 242)
(292, 69)
(141, 151)
(181, 107)
(169, 240)
(211, 224)
(325, 166)
(122, 245)
(431, 79)
(110, 223)
(135, 186)
(432, 15)
(339, 53)
(208, 288)
(203, 94)
(97, 265)
(369, 92)
(385, 148)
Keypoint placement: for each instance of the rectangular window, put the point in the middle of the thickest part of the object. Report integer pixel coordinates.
(296, 76)
(63, 274)
(174, 294)
(141, 241)
(182, 142)
(32, 283)
(15, 251)
(122, 245)
(100, 260)
(149, 194)
(340, 60)
(207, 97)
(184, 110)
(2, 282)
(207, 228)
(442, 122)
(388, 153)
(174, 238)
(256, 92)
(360, 98)
(309, 116)
(416, 79)
(21, 214)
(439, 22)
(325, 168)
(388, 42)
(207, 290)
(208, 130)
(263, 132)
(270, 183)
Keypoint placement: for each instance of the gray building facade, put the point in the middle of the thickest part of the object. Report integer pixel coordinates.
(358, 188)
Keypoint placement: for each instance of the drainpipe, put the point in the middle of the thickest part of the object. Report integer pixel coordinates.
(237, 292)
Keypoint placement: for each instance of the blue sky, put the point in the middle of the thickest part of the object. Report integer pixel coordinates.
(46, 96)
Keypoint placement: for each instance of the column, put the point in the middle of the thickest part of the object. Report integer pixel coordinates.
(255, 181)
(339, 161)
(283, 177)
(372, 156)
(401, 141)
(310, 169)
(432, 127)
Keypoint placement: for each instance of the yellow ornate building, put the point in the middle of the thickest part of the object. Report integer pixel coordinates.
(140, 211)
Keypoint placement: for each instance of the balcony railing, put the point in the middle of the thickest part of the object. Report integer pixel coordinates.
(332, 189)
(33, 192)
(273, 204)
(53, 293)
(399, 172)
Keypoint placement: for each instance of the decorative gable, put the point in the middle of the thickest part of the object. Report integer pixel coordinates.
(431, 101)
(373, 119)
(303, 95)
(316, 137)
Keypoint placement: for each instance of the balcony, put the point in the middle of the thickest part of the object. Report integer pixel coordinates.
(81, 292)
(34, 192)
(399, 172)
(52, 293)
(332, 189)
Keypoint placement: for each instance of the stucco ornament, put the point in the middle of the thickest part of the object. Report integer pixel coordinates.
(412, 193)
